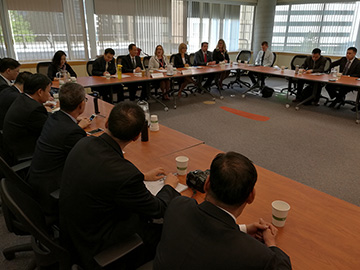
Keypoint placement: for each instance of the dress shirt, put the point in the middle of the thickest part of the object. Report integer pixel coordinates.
(264, 58)
(242, 227)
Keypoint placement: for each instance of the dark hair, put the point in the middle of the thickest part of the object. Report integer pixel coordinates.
(109, 50)
(57, 58)
(353, 49)
(35, 82)
(232, 178)
(6, 63)
(126, 121)
(202, 43)
(70, 96)
(316, 51)
(264, 43)
(131, 46)
(22, 77)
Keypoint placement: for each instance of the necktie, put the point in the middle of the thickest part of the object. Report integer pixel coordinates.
(205, 58)
(346, 68)
(262, 58)
(133, 62)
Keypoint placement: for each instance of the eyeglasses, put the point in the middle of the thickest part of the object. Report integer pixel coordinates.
(86, 99)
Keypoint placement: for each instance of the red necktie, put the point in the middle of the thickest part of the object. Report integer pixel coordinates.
(205, 58)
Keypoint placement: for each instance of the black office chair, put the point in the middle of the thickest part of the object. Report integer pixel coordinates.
(146, 60)
(192, 58)
(326, 70)
(297, 60)
(42, 67)
(119, 58)
(243, 55)
(89, 67)
(172, 57)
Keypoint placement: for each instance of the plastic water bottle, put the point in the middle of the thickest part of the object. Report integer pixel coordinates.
(145, 106)
(297, 69)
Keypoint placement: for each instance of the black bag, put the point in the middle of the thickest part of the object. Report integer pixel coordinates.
(267, 92)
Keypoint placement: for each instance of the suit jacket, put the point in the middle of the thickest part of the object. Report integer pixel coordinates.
(353, 71)
(318, 66)
(178, 62)
(268, 58)
(199, 58)
(205, 237)
(103, 197)
(52, 70)
(99, 66)
(22, 126)
(3, 84)
(7, 97)
(127, 65)
(59, 135)
(219, 57)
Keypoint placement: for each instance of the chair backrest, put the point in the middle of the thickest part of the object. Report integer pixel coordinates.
(119, 58)
(146, 60)
(273, 62)
(192, 58)
(29, 213)
(327, 65)
(297, 60)
(172, 59)
(42, 67)
(89, 67)
(243, 55)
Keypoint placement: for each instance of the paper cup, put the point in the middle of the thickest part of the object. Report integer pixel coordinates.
(282, 68)
(182, 164)
(280, 210)
(73, 79)
(107, 76)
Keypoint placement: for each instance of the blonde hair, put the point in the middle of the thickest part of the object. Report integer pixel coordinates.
(224, 47)
(182, 46)
(161, 49)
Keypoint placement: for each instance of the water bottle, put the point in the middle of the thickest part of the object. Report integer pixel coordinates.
(297, 69)
(334, 73)
(169, 70)
(145, 106)
(145, 132)
(96, 105)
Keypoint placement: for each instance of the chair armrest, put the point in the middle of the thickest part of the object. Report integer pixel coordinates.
(21, 166)
(119, 250)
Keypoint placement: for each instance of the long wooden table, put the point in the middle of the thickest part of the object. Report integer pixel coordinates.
(321, 231)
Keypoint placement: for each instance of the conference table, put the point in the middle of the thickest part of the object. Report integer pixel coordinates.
(321, 231)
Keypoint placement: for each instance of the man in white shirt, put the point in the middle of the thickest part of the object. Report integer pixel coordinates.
(264, 58)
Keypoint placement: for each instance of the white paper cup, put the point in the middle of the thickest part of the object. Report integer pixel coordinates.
(282, 68)
(154, 123)
(107, 76)
(246, 62)
(280, 210)
(73, 79)
(182, 164)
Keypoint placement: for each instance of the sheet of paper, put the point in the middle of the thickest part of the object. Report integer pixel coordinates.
(157, 75)
(155, 186)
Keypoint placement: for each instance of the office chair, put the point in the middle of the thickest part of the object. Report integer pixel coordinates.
(42, 67)
(243, 55)
(172, 57)
(146, 60)
(192, 58)
(297, 60)
(326, 70)
(89, 67)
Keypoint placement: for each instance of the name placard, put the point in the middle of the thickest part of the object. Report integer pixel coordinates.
(157, 75)
(187, 72)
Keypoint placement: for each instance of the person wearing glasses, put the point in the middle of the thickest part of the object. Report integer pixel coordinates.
(62, 130)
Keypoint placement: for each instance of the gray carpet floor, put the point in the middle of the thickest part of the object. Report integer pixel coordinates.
(316, 146)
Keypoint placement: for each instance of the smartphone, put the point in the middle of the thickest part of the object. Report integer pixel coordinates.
(94, 131)
(92, 117)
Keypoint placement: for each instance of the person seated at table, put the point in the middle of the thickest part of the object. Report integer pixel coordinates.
(220, 54)
(349, 65)
(182, 60)
(26, 117)
(160, 61)
(59, 64)
(9, 69)
(103, 66)
(103, 198)
(264, 58)
(206, 235)
(204, 58)
(10, 93)
(62, 130)
(131, 63)
(314, 63)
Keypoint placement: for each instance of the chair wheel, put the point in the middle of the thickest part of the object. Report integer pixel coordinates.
(243, 95)
(287, 106)
(297, 108)
(357, 121)
(166, 109)
(213, 99)
(175, 107)
(221, 97)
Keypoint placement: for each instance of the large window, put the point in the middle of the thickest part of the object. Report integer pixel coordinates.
(210, 22)
(331, 27)
(2, 44)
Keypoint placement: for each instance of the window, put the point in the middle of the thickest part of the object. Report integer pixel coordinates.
(2, 44)
(331, 27)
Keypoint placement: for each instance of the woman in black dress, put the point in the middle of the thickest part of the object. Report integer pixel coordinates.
(59, 64)
(220, 55)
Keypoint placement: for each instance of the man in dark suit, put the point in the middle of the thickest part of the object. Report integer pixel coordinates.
(103, 197)
(350, 66)
(9, 69)
(315, 63)
(206, 236)
(131, 63)
(9, 94)
(204, 58)
(26, 117)
(101, 67)
(62, 130)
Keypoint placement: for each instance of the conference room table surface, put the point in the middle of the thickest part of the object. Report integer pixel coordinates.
(321, 231)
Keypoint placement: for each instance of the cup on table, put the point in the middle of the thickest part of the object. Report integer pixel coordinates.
(280, 211)
(239, 61)
(246, 62)
(73, 79)
(182, 164)
(339, 75)
(301, 70)
(282, 68)
(154, 123)
(107, 75)
(56, 96)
